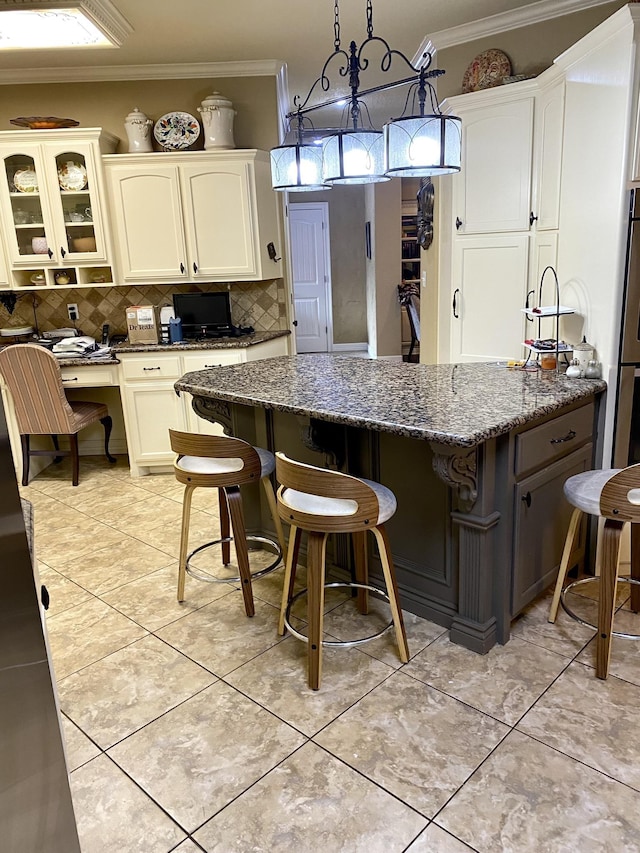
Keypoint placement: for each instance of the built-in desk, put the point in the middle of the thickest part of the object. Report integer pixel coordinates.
(475, 453)
(137, 386)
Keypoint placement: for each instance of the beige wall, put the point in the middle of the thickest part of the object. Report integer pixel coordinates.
(382, 208)
(107, 104)
(530, 49)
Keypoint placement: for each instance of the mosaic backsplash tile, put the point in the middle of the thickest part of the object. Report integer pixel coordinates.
(260, 304)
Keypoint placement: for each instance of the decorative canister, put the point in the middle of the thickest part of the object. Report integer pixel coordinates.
(217, 118)
(573, 371)
(583, 352)
(594, 370)
(39, 245)
(138, 128)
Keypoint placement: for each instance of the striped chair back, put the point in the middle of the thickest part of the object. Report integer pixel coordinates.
(33, 377)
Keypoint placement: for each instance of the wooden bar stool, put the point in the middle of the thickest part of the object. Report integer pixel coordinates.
(322, 502)
(224, 463)
(613, 494)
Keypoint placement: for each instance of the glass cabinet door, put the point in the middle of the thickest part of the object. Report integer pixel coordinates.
(75, 177)
(24, 182)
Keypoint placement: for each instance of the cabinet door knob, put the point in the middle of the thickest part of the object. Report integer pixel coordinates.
(532, 219)
(458, 223)
(455, 302)
(50, 253)
(62, 252)
(527, 499)
(195, 267)
(182, 268)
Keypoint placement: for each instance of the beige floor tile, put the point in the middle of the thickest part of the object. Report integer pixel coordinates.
(108, 497)
(57, 547)
(86, 633)
(152, 600)
(504, 683)
(113, 814)
(436, 840)
(63, 593)
(160, 484)
(346, 623)
(281, 813)
(152, 511)
(419, 745)
(124, 691)
(591, 720)
(188, 846)
(564, 636)
(78, 748)
(197, 758)
(166, 535)
(220, 636)
(119, 563)
(277, 680)
(528, 798)
(51, 514)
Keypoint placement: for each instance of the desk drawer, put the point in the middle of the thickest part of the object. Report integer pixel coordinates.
(212, 358)
(89, 377)
(151, 367)
(538, 446)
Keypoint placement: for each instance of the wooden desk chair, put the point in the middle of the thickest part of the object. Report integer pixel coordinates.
(33, 377)
(322, 502)
(614, 495)
(224, 463)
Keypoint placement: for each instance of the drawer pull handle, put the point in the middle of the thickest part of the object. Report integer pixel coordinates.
(568, 437)
(151, 368)
(211, 365)
(70, 379)
(527, 499)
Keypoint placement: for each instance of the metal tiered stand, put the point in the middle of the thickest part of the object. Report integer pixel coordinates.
(556, 347)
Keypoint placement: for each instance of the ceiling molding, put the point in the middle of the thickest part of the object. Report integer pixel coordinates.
(113, 73)
(534, 13)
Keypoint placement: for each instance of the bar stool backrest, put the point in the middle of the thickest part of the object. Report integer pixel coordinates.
(620, 497)
(247, 469)
(359, 507)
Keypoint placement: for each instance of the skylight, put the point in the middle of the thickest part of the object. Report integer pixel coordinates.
(60, 23)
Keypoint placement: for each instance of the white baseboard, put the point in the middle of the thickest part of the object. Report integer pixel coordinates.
(349, 347)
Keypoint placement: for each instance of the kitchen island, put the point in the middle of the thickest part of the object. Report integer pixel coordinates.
(475, 453)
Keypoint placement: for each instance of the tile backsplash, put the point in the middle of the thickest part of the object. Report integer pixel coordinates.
(260, 304)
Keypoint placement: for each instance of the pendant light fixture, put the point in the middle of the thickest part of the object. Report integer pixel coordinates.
(417, 145)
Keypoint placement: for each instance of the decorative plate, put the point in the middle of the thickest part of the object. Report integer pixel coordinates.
(26, 181)
(176, 131)
(487, 69)
(72, 176)
(43, 122)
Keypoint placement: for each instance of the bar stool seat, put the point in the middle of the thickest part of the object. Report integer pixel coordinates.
(225, 463)
(613, 494)
(321, 502)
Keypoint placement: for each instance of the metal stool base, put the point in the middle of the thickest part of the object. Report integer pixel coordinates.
(577, 618)
(271, 544)
(341, 643)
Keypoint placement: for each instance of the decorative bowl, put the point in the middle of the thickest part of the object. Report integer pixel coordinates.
(84, 244)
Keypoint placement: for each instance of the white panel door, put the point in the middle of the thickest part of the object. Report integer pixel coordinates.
(490, 276)
(309, 263)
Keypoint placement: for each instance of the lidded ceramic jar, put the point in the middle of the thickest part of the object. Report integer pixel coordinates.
(573, 371)
(217, 119)
(583, 352)
(138, 127)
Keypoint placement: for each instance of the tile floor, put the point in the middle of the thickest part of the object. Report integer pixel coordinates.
(190, 728)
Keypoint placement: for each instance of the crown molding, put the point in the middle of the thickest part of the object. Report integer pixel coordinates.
(534, 13)
(113, 73)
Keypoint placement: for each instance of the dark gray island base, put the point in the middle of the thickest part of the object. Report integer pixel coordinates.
(475, 453)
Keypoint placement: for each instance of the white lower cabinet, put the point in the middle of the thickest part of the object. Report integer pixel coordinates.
(152, 407)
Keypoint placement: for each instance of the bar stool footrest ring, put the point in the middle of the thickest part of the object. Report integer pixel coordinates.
(341, 643)
(271, 545)
(579, 619)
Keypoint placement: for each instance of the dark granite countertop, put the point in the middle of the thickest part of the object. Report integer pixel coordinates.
(454, 404)
(86, 362)
(212, 343)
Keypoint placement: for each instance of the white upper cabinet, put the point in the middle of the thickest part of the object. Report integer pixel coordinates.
(492, 193)
(547, 156)
(205, 216)
(51, 197)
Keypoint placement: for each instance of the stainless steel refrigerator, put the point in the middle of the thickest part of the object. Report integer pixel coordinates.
(36, 812)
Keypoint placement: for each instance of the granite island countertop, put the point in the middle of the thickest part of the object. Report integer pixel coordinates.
(454, 404)
(211, 343)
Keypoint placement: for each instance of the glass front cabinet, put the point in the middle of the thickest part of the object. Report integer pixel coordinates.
(52, 206)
